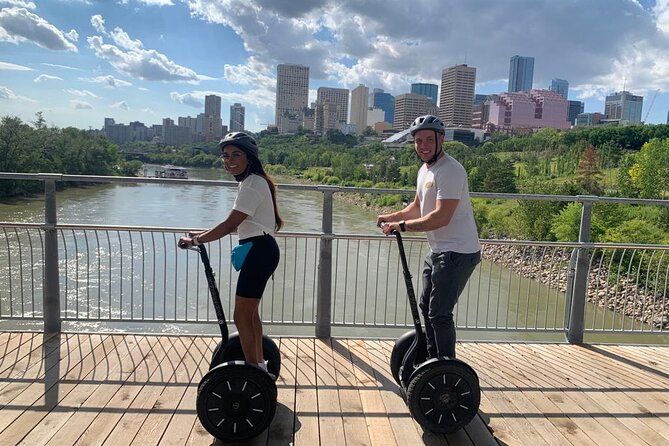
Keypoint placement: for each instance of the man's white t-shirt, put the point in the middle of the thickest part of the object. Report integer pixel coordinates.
(447, 179)
(254, 199)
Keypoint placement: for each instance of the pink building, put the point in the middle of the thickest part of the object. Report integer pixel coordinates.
(534, 110)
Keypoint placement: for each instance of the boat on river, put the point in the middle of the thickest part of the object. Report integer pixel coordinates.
(170, 171)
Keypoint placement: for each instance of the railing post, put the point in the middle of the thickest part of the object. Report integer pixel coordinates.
(324, 297)
(580, 287)
(51, 293)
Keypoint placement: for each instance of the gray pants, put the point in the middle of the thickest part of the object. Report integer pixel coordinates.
(445, 275)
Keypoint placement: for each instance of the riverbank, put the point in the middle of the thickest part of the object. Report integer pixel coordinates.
(550, 266)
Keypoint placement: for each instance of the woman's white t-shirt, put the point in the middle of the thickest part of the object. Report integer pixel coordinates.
(254, 199)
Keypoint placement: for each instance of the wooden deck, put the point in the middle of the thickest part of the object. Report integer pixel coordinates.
(81, 389)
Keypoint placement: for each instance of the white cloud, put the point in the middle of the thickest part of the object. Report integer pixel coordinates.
(138, 62)
(20, 3)
(98, 24)
(6, 93)
(120, 105)
(108, 81)
(59, 66)
(11, 66)
(157, 2)
(195, 99)
(81, 93)
(73, 36)
(47, 77)
(81, 105)
(19, 25)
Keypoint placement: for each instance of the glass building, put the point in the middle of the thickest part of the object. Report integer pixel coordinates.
(429, 90)
(521, 73)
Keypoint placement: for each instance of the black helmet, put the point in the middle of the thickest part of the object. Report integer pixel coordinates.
(242, 141)
(428, 122)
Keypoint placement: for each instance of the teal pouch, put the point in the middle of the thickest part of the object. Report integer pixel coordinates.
(239, 254)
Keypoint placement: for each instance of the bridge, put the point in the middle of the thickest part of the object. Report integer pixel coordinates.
(334, 310)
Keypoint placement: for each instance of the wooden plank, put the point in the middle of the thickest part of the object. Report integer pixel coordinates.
(378, 425)
(186, 373)
(171, 370)
(355, 427)
(306, 402)
(17, 349)
(577, 376)
(185, 427)
(58, 388)
(330, 421)
(405, 428)
(145, 361)
(282, 428)
(82, 417)
(18, 397)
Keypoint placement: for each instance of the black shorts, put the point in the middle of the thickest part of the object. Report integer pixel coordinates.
(258, 267)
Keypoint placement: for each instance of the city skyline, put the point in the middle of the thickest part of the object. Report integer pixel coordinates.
(144, 60)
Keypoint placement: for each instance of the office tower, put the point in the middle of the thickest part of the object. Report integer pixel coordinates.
(668, 117)
(359, 107)
(384, 101)
(429, 90)
(575, 109)
(457, 95)
(292, 93)
(623, 106)
(237, 112)
(409, 106)
(212, 105)
(560, 86)
(521, 72)
(338, 97)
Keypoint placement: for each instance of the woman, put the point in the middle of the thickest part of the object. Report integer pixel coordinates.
(255, 217)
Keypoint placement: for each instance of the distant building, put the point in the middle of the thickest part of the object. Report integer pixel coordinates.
(237, 112)
(359, 107)
(457, 95)
(623, 106)
(191, 123)
(212, 105)
(292, 92)
(584, 119)
(337, 111)
(560, 86)
(429, 90)
(526, 111)
(208, 128)
(479, 99)
(575, 109)
(409, 106)
(521, 73)
(174, 135)
(375, 115)
(384, 101)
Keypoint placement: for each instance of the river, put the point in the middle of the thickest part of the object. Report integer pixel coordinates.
(195, 206)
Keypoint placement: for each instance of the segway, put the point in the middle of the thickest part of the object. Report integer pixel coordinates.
(236, 400)
(443, 394)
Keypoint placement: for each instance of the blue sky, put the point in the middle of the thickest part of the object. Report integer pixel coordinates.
(79, 61)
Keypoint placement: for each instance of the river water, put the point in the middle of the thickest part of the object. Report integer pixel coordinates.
(195, 206)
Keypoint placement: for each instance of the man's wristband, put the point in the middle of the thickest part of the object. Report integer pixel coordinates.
(403, 226)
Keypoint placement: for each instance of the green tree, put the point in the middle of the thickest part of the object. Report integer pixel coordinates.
(650, 173)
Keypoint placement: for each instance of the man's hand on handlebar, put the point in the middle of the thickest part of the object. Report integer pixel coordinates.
(187, 242)
(389, 228)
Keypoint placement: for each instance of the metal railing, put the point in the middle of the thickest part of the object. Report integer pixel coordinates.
(63, 272)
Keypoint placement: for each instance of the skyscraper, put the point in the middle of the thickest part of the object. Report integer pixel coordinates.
(292, 92)
(623, 106)
(429, 90)
(575, 109)
(359, 107)
(212, 105)
(409, 106)
(521, 73)
(337, 97)
(384, 101)
(457, 95)
(560, 86)
(237, 112)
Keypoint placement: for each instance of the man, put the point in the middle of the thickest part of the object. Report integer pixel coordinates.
(443, 211)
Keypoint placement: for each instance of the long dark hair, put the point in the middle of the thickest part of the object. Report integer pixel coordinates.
(255, 166)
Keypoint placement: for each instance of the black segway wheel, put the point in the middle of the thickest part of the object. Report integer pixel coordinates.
(236, 401)
(232, 351)
(399, 351)
(444, 395)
